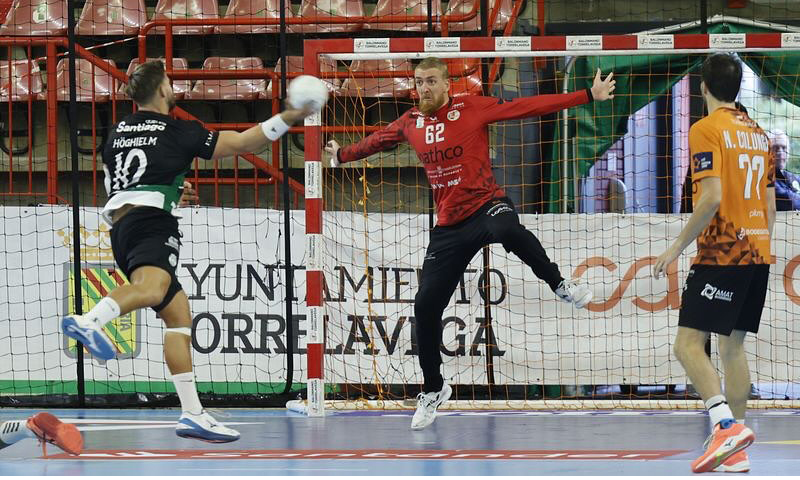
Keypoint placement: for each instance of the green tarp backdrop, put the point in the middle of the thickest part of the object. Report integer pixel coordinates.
(640, 80)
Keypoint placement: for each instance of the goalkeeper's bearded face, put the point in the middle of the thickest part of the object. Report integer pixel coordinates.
(432, 88)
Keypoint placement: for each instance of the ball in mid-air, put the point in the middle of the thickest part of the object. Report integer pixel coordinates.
(307, 92)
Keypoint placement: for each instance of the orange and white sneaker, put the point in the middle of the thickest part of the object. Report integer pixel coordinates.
(723, 443)
(48, 428)
(736, 463)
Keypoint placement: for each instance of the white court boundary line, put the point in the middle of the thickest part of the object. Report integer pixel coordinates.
(300, 406)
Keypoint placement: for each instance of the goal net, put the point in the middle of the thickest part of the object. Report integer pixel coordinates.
(601, 185)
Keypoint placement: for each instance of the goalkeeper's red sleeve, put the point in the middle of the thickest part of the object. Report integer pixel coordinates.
(496, 109)
(379, 141)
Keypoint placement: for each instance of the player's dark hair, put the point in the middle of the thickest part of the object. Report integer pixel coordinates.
(722, 75)
(144, 81)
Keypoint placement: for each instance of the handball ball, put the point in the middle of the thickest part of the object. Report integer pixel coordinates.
(307, 92)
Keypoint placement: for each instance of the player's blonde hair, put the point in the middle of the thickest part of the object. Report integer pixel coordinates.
(434, 62)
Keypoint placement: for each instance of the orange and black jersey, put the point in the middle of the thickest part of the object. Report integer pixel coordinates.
(729, 145)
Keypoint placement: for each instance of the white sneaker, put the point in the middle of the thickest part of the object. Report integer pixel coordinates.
(204, 427)
(427, 403)
(571, 291)
(90, 335)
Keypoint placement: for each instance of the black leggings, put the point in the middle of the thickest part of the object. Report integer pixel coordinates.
(450, 250)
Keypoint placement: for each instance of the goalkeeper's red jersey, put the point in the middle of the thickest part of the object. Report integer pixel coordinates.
(453, 146)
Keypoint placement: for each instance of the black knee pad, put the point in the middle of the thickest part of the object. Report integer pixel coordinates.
(172, 290)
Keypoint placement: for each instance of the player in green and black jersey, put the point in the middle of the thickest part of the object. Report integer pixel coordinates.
(145, 160)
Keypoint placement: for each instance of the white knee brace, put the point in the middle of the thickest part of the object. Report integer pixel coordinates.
(180, 330)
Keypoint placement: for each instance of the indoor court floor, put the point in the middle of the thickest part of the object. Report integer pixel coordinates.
(279, 442)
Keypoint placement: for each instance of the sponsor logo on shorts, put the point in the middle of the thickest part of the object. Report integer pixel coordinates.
(498, 209)
(172, 242)
(713, 293)
(756, 213)
(173, 259)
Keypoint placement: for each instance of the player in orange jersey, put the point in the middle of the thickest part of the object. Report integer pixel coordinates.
(734, 211)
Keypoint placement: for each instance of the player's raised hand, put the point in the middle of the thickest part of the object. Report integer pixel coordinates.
(189, 195)
(603, 89)
(293, 115)
(332, 147)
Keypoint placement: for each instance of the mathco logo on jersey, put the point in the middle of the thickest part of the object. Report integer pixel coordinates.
(714, 293)
(433, 156)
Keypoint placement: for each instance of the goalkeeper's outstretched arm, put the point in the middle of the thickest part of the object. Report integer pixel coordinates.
(495, 110)
(378, 141)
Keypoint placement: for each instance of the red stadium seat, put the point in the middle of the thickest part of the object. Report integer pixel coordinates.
(469, 85)
(295, 65)
(465, 77)
(20, 80)
(378, 87)
(255, 9)
(111, 17)
(332, 9)
(5, 7)
(35, 17)
(228, 89)
(461, 7)
(187, 9)
(93, 83)
(179, 87)
(404, 7)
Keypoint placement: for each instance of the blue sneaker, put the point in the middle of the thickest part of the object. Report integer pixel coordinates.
(90, 335)
(204, 427)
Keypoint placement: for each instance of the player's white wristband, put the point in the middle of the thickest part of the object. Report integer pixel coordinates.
(274, 127)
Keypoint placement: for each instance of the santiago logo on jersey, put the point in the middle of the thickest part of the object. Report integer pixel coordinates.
(148, 126)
